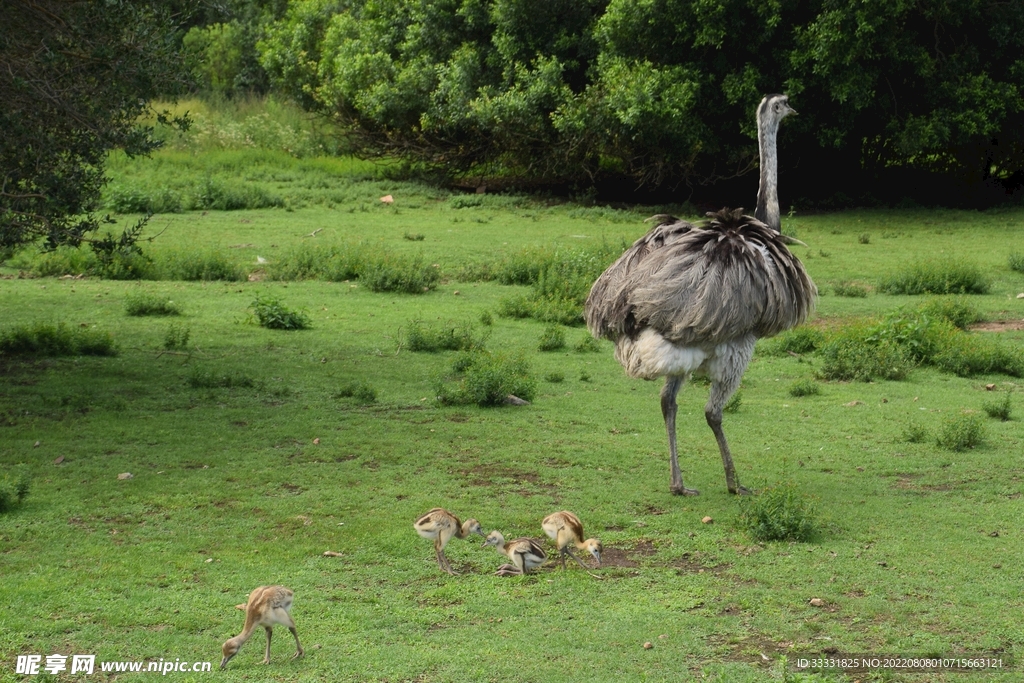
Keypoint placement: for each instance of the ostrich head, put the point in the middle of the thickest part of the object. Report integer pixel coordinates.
(772, 110)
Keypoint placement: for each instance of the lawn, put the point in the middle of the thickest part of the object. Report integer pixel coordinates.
(249, 459)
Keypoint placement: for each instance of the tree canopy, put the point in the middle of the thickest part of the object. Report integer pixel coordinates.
(75, 77)
(663, 91)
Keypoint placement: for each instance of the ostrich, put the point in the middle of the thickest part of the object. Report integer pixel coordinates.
(267, 606)
(566, 530)
(686, 298)
(525, 553)
(441, 525)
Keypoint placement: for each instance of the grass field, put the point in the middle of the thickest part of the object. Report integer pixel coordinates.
(249, 460)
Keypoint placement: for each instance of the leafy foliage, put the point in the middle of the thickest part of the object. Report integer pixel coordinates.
(961, 432)
(660, 92)
(779, 513)
(552, 339)
(804, 387)
(485, 379)
(42, 339)
(14, 487)
(448, 336)
(999, 410)
(143, 303)
(949, 277)
(74, 85)
(273, 315)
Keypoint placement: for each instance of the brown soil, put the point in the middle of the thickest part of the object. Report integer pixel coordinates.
(999, 326)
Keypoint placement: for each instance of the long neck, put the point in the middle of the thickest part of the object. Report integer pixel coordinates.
(768, 192)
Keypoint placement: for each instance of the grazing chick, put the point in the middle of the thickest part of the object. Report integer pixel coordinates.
(566, 530)
(441, 525)
(525, 554)
(267, 606)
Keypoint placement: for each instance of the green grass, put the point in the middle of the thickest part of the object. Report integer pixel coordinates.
(259, 451)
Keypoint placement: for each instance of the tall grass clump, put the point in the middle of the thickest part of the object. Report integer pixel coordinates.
(485, 379)
(42, 340)
(60, 261)
(273, 315)
(804, 387)
(332, 263)
(144, 303)
(198, 266)
(779, 513)
(176, 337)
(446, 336)
(201, 378)
(586, 344)
(999, 410)
(1016, 261)
(14, 487)
(936, 277)
(361, 392)
(803, 339)
(551, 339)
(961, 432)
(850, 290)
(956, 309)
(390, 273)
(851, 354)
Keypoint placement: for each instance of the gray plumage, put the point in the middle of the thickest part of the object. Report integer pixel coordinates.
(687, 298)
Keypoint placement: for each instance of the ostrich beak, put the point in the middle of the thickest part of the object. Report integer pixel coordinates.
(597, 556)
(792, 240)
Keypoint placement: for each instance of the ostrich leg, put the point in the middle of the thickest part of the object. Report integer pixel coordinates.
(726, 374)
(668, 411)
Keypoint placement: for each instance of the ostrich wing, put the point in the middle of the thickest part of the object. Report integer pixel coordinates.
(608, 312)
(732, 277)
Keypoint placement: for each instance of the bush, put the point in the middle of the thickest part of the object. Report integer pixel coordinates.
(955, 309)
(360, 391)
(43, 339)
(449, 336)
(586, 344)
(960, 432)
(485, 379)
(804, 387)
(865, 238)
(552, 339)
(778, 513)
(196, 266)
(176, 337)
(1016, 261)
(270, 313)
(914, 433)
(396, 274)
(849, 290)
(850, 356)
(554, 377)
(967, 355)
(801, 339)
(14, 487)
(1000, 410)
(142, 303)
(931, 277)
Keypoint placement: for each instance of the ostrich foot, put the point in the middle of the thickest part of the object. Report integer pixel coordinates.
(508, 570)
(740, 490)
(683, 491)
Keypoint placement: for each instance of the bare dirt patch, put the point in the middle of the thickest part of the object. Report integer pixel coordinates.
(999, 326)
(693, 563)
(496, 474)
(627, 557)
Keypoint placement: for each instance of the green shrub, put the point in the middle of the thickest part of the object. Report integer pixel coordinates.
(128, 197)
(414, 236)
(554, 377)
(999, 410)
(966, 354)
(778, 513)
(360, 391)
(143, 303)
(956, 309)
(864, 238)
(270, 313)
(14, 487)
(399, 274)
(176, 337)
(914, 433)
(804, 387)
(947, 277)
(214, 194)
(801, 339)
(961, 432)
(486, 318)
(60, 261)
(41, 339)
(1016, 261)
(849, 290)
(552, 339)
(850, 356)
(485, 379)
(196, 266)
(333, 263)
(447, 336)
(586, 344)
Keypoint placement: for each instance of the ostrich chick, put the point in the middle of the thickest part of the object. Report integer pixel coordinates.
(441, 525)
(525, 554)
(566, 530)
(267, 606)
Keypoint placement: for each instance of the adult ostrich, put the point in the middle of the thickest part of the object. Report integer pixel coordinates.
(690, 299)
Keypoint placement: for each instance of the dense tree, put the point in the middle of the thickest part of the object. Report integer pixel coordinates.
(663, 91)
(75, 78)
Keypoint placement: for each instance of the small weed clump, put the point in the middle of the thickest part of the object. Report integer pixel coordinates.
(849, 290)
(1016, 261)
(414, 236)
(865, 238)
(586, 344)
(798, 340)
(14, 487)
(734, 403)
(402, 275)
(552, 339)
(142, 303)
(271, 314)
(554, 377)
(999, 410)
(961, 432)
(334, 263)
(448, 336)
(200, 378)
(485, 379)
(486, 319)
(804, 387)
(197, 266)
(778, 513)
(956, 309)
(176, 337)
(936, 278)
(849, 356)
(914, 433)
(362, 392)
(42, 339)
